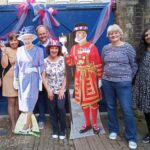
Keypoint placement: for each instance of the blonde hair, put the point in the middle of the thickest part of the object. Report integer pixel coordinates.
(114, 28)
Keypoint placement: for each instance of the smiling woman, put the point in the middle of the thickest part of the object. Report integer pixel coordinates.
(119, 68)
(8, 62)
(54, 80)
(141, 94)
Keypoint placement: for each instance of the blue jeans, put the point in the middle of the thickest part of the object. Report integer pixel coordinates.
(41, 104)
(121, 91)
(57, 115)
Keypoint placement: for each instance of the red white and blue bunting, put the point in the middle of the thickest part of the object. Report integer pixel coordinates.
(46, 17)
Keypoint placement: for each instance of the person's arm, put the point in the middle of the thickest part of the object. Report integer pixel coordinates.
(62, 89)
(95, 58)
(64, 82)
(132, 59)
(16, 73)
(48, 89)
(4, 59)
(41, 60)
(69, 58)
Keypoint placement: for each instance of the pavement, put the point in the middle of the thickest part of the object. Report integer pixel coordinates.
(9, 141)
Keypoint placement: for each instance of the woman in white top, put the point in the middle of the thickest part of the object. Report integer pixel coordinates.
(54, 80)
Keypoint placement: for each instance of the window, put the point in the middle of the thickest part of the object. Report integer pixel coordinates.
(62, 1)
(16, 1)
(105, 1)
(40, 1)
(85, 1)
(20, 1)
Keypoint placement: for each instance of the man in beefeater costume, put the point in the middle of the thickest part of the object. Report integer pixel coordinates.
(88, 76)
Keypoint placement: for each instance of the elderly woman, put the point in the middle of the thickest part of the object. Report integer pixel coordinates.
(29, 66)
(8, 62)
(119, 68)
(54, 80)
(141, 94)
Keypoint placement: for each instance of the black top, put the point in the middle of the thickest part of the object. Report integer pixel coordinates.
(1, 69)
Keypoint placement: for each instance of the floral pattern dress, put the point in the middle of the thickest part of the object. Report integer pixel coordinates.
(141, 89)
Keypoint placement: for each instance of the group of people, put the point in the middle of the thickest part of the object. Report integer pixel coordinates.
(30, 67)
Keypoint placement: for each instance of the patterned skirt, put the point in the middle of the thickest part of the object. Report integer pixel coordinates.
(141, 91)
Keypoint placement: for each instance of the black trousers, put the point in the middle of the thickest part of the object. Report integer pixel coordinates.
(57, 115)
(147, 118)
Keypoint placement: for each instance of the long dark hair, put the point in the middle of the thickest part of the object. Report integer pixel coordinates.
(142, 48)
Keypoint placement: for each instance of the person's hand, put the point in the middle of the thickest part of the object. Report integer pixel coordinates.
(50, 94)
(99, 83)
(61, 94)
(2, 44)
(3, 47)
(64, 50)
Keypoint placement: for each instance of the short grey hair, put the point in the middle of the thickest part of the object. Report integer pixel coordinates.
(114, 28)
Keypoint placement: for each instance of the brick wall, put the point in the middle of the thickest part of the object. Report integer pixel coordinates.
(133, 16)
(147, 13)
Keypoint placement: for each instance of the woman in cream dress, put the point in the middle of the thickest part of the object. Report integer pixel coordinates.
(8, 62)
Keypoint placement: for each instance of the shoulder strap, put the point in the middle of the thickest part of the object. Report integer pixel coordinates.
(7, 68)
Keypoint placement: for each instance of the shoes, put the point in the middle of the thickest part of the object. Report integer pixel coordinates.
(54, 136)
(113, 136)
(25, 131)
(96, 129)
(62, 137)
(85, 128)
(132, 145)
(41, 125)
(146, 138)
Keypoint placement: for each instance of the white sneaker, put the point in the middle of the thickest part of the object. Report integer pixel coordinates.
(113, 136)
(62, 137)
(132, 145)
(55, 136)
(41, 125)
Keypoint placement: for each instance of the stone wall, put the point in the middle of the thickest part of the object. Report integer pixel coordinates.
(133, 16)
(147, 13)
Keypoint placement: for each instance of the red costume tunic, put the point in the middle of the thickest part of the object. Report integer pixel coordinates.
(88, 72)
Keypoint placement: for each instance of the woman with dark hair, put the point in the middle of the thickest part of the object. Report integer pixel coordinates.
(54, 80)
(8, 62)
(141, 94)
